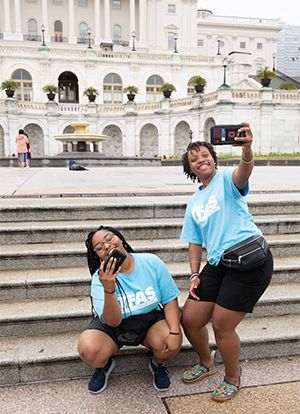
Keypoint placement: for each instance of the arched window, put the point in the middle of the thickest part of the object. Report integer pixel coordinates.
(112, 89)
(117, 34)
(190, 88)
(68, 88)
(58, 31)
(24, 81)
(153, 85)
(83, 33)
(32, 29)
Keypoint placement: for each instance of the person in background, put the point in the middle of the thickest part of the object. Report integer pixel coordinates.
(133, 304)
(22, 141)
(231, 282)
(28, 156)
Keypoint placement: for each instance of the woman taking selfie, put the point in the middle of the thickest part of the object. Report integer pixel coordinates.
(239, 263)
(134, 301)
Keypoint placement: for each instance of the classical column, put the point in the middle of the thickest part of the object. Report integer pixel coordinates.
(97, 23)
(132, 16)
(7, 22)
(45, 21)
(18, 29)
(142, 23)
(107, 29)
(72, 37)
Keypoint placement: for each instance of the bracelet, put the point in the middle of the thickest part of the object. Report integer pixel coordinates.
(193, 275)
(248, 162)
(174, 333)
(109, 292)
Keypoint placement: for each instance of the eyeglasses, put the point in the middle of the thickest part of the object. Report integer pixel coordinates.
(108, 239)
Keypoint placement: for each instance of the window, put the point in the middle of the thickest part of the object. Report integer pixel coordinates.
(171, 8)
(82, 3)
(242, 45)
(117, 35)
(116, 4)
(83, 33)
(24, 81)
(259, 45)
(58, 31)
(68, 88)
(171, 41)
(112, 89)
(153, 85)
(200, 42)
(32, 29)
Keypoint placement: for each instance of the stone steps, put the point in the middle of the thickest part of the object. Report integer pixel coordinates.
(155, 228)
(39, 358)
(62, 315)
(75, 281)
(53, 255)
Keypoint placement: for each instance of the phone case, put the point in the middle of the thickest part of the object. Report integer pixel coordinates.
(117, 255)
(225, 134)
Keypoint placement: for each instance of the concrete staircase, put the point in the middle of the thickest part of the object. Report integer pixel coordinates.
(44, 280)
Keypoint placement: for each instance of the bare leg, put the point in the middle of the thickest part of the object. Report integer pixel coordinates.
(224, 322)
(95, 347)
(194, 318)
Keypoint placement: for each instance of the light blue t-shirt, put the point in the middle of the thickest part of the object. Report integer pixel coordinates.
(146, 287)
(217, 216)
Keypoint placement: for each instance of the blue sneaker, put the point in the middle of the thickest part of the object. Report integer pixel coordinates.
(99, 379)
(161, 380)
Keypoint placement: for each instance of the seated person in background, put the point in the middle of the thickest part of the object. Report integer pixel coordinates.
(133, 304)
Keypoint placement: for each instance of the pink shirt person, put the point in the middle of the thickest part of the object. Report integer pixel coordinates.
(21, 141)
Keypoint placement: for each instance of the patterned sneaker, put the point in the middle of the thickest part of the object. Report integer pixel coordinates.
(225, 391)
(161, 380)
(98, 381)
(199, 371)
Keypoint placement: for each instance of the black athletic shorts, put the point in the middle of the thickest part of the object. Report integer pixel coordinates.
(237, 291)
(132, 330)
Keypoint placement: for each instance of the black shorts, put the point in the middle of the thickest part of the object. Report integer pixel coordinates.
(237, 291)
(132, 330)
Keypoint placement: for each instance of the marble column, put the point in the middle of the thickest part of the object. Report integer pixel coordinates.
(97, 23)
(142, 23)
(107, 28)
(18, 26)
(72, 37)
(132, 16)
(7, 35)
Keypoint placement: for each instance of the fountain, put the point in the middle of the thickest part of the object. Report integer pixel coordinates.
(80, 139)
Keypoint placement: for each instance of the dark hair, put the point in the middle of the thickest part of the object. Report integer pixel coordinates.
(195, 146)
(21, 131)
(94, 261)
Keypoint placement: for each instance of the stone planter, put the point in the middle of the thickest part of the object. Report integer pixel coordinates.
(92, 97)
(167, 94)
(10, 93)
(199, 88)
(265, 82)
(51, 96)
(130, 97)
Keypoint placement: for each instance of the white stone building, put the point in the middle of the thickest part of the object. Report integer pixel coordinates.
(110, 44)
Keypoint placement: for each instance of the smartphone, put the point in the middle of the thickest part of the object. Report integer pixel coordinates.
(115, 253)
(225, 134)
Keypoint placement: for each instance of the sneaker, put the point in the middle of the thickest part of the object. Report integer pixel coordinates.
(198, 371)
(161, 379)
(98, 381)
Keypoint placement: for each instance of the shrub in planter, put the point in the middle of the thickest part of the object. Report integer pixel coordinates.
(131, 91)
(167, 89)
(9, 86)
(50, 90)
(198, 82)
(91, 93)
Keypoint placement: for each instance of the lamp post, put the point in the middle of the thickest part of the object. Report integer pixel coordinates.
(225, 63)
(43, 28)
(219, 44)
(191, 136)
(89, 35)
(175, 42)
(274, 57)
(133, 34)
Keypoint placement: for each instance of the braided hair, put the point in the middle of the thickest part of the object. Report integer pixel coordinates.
(195, 146)
(94, 261)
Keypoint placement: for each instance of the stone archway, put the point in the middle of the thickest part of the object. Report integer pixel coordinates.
(2, 149)
(112, 147)
(149, 141)
(36, 139)
(206, 129)
(182, 136)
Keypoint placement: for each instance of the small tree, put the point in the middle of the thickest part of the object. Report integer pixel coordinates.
(131, 89)
(50, 88)
(198, 81)
(266, 73)
(288, 86)
(9, 85)
(90, 91)
(167, 87)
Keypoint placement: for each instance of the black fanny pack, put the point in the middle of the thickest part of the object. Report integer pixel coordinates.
(246, 255)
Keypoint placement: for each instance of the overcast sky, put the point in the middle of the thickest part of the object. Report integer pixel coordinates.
(288, 10)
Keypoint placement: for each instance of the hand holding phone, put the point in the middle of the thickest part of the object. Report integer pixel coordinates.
(116, 254)
(225, 134)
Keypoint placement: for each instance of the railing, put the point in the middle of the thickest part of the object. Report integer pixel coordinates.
(72, 108)
(32, 37)
(238, 19)
(243, 94)
(32, 106)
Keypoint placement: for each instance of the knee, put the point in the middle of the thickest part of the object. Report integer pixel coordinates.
(218, 327)
(87, 349)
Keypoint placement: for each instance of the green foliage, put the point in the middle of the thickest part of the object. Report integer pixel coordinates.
(198, 81)
(90, 91)
(9, 84)
(50, 88)
(131, 89)
(266, 73)
(167, 87)
(288, 86)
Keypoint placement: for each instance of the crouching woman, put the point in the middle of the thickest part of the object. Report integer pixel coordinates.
(133, 304)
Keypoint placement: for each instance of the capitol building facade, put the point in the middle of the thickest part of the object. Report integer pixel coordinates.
(111, 44)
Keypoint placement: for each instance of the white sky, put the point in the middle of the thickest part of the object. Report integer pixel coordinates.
(288, 10)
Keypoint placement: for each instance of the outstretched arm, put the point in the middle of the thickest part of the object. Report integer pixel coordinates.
(242, 173)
